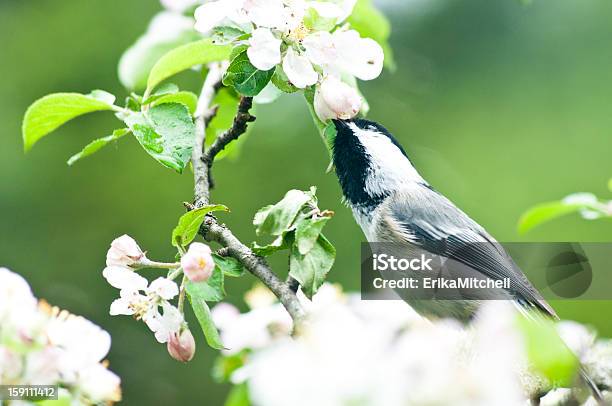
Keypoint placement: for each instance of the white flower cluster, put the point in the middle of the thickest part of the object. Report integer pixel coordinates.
(383, 353)
(41, 345)
(144, 300)
(321, 53)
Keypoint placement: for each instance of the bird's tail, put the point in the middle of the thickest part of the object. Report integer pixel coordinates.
(586, 378)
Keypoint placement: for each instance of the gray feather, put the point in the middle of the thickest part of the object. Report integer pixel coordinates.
(420, 216)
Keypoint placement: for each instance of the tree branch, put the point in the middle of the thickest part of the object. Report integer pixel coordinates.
(202, 115)
(211, 230)
(239, 127)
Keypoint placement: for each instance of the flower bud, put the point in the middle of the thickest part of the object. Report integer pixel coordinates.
(124, 251)
(181, 346)
(335, 99)
(198, 263)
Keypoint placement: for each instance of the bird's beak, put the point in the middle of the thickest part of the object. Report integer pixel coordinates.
(340, 124)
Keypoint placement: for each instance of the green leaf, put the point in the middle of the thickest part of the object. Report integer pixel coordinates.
(212, 290)
(202, 312)
(309, 94)
(277, 219)
(138, 60)
(547, 352)
(546, 212)
(227, 34)
(371, 23)
(238, 396)
(314, 22)
(190, 222)
(281, 243)
(282, 82)
(184, 57)
(229, 266)
(188, 99)
(226, 365)
(329, 134)
(245, 78)
(307, 233)
(96, 145)
(47, 114)
(103, 96)
(311, 269)
(166, 132)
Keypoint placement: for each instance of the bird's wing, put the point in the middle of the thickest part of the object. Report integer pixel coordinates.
(429, 220)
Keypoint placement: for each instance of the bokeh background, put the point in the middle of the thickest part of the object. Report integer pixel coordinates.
(501, 105)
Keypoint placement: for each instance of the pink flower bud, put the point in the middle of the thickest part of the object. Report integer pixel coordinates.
(334, 99)
(124, 251)
(198, 263)
(181, 346)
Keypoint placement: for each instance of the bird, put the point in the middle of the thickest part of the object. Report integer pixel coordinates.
(394, 204)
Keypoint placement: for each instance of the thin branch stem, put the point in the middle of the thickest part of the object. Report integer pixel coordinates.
(239, 127)
(147, 263)
(203, 109)
(181, 299)
(211, 230)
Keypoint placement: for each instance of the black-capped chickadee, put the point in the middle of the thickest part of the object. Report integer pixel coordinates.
(393, 204)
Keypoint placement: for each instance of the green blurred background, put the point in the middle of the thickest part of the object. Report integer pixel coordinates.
(499, 104)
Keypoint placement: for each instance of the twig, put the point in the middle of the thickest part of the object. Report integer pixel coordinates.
(200, 170)
(239, 127)
(211, 230)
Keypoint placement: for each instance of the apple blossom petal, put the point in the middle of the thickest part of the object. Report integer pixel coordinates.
(198, 263)
(335, 99)
(266, 13)
(326, 9)
(299, 70)
(361, 57)
(320, 48)
(264, 51)
(164, 288)
(99, 384)
(124, 278)
(211, 14)
(121, 306)
(178, 6)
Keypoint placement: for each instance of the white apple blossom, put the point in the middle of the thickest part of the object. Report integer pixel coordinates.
(57, 349)
(142, 300)
(179, 6)
(266, 13)
(307, 55)
(255, 329)
(335, 99)
(82, 343)
(163, 288)
(164, 324)
(99, 384)
(124, 251)
(299, 70)
(198, 263)
(124, 278)
(264, 51)
(215, 13)
(17, 303)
